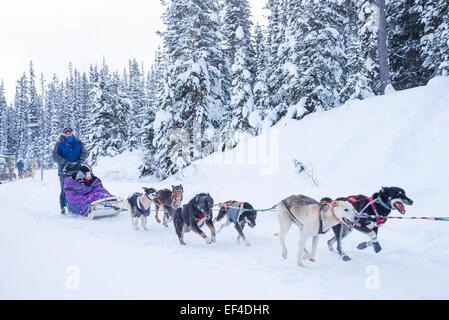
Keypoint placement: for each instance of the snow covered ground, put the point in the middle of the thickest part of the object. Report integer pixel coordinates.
(400, 139)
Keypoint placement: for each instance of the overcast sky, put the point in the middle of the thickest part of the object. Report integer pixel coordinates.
(53, 33)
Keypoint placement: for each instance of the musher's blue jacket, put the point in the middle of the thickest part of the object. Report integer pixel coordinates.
(65, 152)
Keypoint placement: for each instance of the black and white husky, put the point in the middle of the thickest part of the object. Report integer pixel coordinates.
(375, 210)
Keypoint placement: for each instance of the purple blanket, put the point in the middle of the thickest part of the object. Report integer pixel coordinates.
(79, 196)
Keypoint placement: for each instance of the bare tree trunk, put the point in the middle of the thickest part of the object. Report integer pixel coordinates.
(384, 68)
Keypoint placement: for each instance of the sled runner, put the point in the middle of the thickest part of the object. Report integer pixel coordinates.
(86, 197)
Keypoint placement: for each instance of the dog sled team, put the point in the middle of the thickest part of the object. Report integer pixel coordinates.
(84, 195)
(342, 215)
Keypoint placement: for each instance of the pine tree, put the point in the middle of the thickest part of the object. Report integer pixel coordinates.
(320, 56)
(357, 84)
(277, 22)
(3, 119)
(154, 93)
(242, 102)
(404, 33)
(260, 118)
(435, 47)
(102, 117)
(139, 104)
(193, 96)
(368, 17)
(34, 114)
(21, 109)
(237, 29)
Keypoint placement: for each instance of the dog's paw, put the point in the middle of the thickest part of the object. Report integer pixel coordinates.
(208, 241)
(248, 244)
(363, 245)
(376, 247)
(213, 239)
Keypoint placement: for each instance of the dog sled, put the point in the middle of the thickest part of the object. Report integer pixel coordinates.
(85, 195)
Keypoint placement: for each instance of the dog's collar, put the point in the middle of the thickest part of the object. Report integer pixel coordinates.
(382, 203)
(202, 214)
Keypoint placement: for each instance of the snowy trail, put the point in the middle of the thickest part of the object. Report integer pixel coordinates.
(395, 140)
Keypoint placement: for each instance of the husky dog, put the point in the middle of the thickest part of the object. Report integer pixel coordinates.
(237, 213)
(168, 200)
(375, 209)
(193, 215)
(313, 219)
(139, 205)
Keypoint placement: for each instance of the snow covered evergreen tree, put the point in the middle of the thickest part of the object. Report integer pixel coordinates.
(404, 33)
(21, 108)
(368, 16)
(154, 92)
(139, 104)
(108, 134)
(3, 119)
(261, 116)
(239, 49)
(277, 22)
(237, 30)
(435, 40)
(319, 55)
(34, 114)
(357, 83)
(193, 98)
(242, 102)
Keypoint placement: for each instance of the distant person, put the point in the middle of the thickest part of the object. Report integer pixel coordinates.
(69, 151)
(20, 167)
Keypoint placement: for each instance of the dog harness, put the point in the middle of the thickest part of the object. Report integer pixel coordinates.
(234, 212)
(379, 218)
(292, 216)
(134, 200)
(321, 219)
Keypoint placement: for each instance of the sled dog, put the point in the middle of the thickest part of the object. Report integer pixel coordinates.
(139, 205)
(239, 214)
(193, 215)
(313, 219)
(168, 200)
(375, 209)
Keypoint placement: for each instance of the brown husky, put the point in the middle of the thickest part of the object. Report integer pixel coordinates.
(312, 219)
(168, 201)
